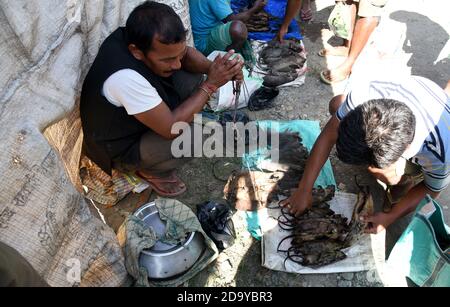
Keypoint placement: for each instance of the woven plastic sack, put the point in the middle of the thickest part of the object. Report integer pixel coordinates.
(340, 21)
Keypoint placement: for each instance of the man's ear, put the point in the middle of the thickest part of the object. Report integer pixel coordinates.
(136, 52)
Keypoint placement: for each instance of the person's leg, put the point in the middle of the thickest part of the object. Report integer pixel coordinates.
(232, 35)
(219, 38)
(156, 156)
(238, 34)
(344, 49)
(335, 103)
(363, 29)
(305, 11)
(156, 164)
(368, 20)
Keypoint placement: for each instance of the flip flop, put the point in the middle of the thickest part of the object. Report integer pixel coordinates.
(173, 179)
(324, 79)
(306, 15)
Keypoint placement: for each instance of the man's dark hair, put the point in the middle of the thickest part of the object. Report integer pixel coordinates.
(375, 133)
(152, 19)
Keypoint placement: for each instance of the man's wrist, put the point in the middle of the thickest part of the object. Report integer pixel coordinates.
(210, 87)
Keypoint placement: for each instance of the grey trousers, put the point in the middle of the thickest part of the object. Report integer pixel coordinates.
(155, 151)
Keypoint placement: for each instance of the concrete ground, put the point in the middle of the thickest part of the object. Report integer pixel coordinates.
(413, 35)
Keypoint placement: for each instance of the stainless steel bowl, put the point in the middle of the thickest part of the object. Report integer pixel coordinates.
(166, 261)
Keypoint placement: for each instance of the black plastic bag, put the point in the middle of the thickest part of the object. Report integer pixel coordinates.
(216, 221)
(228, 117)
(262, 98)
(240, 117)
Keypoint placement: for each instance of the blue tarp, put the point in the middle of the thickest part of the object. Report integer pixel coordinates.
(309, 132)
(277, 9)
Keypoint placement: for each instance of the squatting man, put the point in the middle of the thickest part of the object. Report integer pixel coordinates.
(144, 79)
(398, 127)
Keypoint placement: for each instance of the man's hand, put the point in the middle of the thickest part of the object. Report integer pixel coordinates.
(259, 5)
(377, 222)
(239, 76)
(224, 70)
(298, 202)
(281, 33)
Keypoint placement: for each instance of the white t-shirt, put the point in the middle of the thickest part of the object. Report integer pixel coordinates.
(129, 89)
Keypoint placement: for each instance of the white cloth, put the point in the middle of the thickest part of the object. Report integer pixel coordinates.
(129, 89)
(224, 99)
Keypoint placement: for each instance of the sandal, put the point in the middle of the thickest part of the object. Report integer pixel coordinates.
(306, 15)
(172, 180)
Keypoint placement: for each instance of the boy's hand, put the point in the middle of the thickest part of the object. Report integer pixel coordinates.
(377, 222)
(298, 202)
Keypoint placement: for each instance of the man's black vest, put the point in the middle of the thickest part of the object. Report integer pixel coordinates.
(109, 132)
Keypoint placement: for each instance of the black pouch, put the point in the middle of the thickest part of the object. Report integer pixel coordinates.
(216, 221)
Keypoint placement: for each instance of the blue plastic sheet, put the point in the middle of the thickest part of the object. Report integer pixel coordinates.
(309, 132)
(277, 9)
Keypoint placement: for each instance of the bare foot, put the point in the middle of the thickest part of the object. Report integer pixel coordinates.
(337, 74)
(334, 51)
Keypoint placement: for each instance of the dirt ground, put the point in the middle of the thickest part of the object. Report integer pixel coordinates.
(240, 265)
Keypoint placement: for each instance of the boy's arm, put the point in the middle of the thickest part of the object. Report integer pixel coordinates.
(380, 221)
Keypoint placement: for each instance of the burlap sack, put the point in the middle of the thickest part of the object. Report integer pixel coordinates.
(47, 48)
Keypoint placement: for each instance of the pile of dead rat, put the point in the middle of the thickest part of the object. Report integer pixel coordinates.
(317, 237)
(281, 63)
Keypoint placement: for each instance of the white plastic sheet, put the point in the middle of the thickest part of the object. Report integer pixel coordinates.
(359, 256)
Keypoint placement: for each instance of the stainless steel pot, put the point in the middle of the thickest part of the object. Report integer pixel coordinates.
(166, 261)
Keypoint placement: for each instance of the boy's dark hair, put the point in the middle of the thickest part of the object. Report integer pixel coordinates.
(375, 133)
(150, 19)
